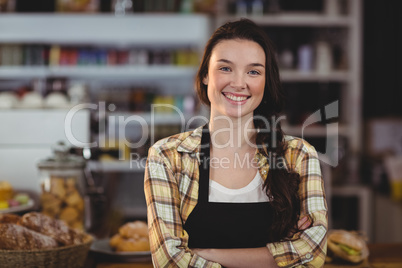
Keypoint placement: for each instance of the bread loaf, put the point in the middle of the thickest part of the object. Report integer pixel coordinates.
(56, 229)
(9, 218)
(15, 237)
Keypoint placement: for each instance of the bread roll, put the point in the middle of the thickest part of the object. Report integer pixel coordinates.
(132, 236)
(15, 237)
(134, 229)
(9, 218)
(56, 229)
(115, 240)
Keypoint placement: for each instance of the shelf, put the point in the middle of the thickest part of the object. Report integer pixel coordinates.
(314, 131)
(294, 20)
(98, 72)
(116, 166)
(139, 29)
(158, 118)
(147, 72)
(297, 76)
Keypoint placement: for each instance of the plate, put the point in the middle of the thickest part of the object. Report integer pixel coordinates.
(20, 208)
(102, 247)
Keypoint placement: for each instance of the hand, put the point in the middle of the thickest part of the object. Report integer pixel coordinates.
(202, 252)
(304, 223)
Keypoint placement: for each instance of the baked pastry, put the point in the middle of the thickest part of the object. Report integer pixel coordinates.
(134, 229)
(61, 199)
(16, 237)
(54, 228)
(9, 218)
(132, 236)
(115, 240)
(69, 215)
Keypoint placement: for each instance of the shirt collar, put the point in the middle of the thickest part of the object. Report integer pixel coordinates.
(191, 143)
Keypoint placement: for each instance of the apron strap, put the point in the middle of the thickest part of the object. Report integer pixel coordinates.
(203, 190)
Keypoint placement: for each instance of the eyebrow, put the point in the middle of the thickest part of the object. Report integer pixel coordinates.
(251, 64)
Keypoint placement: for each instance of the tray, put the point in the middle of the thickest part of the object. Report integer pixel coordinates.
(102, 247)
(21, 208)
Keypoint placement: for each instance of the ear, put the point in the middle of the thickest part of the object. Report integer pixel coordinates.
(205, 80)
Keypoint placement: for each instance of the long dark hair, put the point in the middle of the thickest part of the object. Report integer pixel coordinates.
(282, 184)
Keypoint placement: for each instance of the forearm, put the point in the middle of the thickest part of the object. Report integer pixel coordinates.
(242, 257)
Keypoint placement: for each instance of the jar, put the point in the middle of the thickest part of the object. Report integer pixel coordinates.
(62, 186)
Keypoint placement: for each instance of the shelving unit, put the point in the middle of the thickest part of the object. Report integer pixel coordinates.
(136, 31)
(150, 31)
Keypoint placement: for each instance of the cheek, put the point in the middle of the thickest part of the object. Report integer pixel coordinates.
(258, 86)
(210, 93)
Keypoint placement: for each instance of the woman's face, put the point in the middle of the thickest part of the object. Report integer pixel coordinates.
(236, 78)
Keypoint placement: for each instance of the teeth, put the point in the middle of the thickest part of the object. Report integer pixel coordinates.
(234, 98)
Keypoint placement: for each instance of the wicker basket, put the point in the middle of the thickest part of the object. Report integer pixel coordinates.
(61, 257)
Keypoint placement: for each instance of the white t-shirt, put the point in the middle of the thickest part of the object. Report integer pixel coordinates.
(251, 193)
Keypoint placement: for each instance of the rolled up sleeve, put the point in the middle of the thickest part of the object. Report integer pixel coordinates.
(308, 247)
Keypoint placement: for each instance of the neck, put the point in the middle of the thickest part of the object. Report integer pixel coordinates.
(233, 133)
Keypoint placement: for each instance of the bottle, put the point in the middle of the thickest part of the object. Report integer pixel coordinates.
(241, 8)
(323, 63)
(286, 59)
(274, 6)
(305, 57)
(257, 8)
(186, 6)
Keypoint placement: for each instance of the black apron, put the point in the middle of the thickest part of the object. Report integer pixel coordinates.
(225, 225)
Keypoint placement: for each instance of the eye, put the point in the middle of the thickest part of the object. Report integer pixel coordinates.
(225, 69)
(254, 72)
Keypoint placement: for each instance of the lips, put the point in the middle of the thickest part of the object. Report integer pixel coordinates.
(235, 97)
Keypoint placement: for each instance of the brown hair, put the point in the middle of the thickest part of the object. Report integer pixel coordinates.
(281, 185)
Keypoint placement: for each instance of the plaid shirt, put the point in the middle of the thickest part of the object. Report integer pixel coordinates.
(171, 191)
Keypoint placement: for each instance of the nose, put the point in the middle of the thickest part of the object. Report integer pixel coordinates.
(238, 81)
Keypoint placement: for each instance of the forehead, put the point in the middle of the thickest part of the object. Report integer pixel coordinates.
(238, 49)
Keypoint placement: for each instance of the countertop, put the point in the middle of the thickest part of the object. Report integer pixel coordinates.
(381, 256)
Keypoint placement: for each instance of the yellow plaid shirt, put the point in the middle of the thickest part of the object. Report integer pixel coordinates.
(171, 191)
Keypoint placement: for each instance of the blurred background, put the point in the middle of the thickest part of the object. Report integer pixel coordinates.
(117, 59)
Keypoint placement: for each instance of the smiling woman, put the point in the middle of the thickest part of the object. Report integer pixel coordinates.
(236, 192)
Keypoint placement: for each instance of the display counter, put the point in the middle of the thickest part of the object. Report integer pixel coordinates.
(381, 255)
